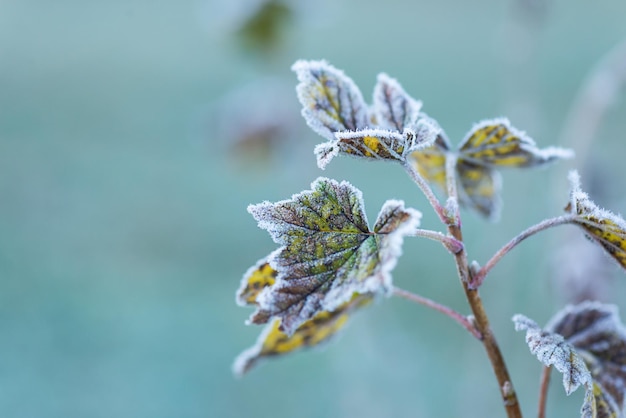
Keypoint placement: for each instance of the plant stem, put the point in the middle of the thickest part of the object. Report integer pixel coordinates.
(451, 243)
(543, 391)
(428, 192)
(452, 205)
(460, 319)
(479, 277)
(481, 321)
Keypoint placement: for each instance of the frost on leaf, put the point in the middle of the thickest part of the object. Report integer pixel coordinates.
(602, 226)
(273, 342)
(376, 144)
(327, 251)
(590, 332)
(331, 102)
(393, 108)
(553, 350)
(496, 143)
(489, 144)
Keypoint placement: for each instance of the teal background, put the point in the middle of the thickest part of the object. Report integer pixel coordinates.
(123, 223)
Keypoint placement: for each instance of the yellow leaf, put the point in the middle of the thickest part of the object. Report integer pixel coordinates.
(257, 278)
(496, 143)
(602, 226)
(480, 188)
(324, 325)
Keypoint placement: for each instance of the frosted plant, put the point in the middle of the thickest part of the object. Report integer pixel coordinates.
(330, 263)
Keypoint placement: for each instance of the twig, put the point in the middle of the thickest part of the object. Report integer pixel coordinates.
(452, 204)
(460, 319)
(481, 321)
(452, 244)
(543, 391)
(478, 279)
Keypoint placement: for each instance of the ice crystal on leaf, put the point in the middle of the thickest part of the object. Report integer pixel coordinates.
(552, 350)
(587, 343)
(602, 226)
(323, 326)
(376, 144)
(328, 253)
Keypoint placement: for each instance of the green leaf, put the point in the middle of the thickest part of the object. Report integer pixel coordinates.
(327, 251)
(587, 343)
(602, 226)
(331, 102)
(322, 327)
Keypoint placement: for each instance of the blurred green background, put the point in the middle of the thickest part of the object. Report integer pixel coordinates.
(133, 134)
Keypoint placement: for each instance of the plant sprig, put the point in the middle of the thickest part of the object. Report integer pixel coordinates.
(330, 263)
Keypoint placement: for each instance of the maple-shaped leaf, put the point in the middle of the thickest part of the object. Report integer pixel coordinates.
(593, 334)
(602, 226)
(496, 143)
(331, 102)
(327, 251)
(376, 144)
(490, 144)
(393, 108)
(323, 326)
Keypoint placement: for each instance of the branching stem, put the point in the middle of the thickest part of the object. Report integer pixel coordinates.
(543, 391)
(460, 319)
(478, 279)
(452, 244)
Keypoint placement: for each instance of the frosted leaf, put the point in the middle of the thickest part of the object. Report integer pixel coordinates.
(602, 226)
(323, 326)
(496, 143)
(593, 332)
(552, 350)
(596, 331)
(394, 109)
(599, 403)
(376, 144)
(257, 278)
(331, 102)
(328, 252)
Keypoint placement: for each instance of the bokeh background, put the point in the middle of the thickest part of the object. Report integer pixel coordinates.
(133, 134)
